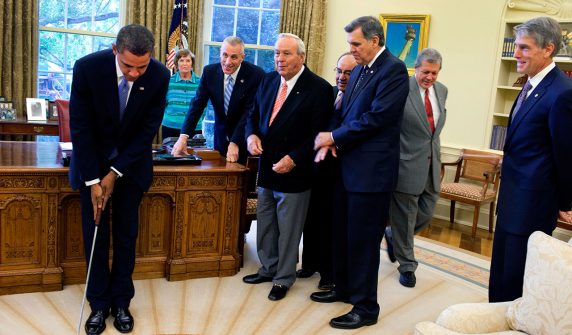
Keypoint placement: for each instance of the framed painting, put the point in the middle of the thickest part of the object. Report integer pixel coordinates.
(405, 35)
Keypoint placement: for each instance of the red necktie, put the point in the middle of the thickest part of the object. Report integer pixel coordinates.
(429, 111)
(279, 102)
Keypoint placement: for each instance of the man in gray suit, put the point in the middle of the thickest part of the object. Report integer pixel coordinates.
(418, 184)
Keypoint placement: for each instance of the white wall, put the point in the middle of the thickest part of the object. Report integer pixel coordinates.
(466, 33)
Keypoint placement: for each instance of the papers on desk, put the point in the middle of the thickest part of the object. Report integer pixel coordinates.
(66, 146)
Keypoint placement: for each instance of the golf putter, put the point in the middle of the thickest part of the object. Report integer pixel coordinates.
(97, 219)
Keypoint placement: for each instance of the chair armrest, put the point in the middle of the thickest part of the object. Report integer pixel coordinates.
(474, 318)
(455, 163)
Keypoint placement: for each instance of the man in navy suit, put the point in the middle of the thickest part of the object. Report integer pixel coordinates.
(239, 79)
(317, 253)
(292, 104)
(116, 107)
(536, 181)
(365, 136)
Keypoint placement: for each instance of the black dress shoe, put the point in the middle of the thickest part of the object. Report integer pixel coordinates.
(407, 279)
(326, 297)
(256, 279)
(351, 320)
(389, 241)
(325, 285)
(123, 320)
(95, 323)
(305, 273)
(277, 292)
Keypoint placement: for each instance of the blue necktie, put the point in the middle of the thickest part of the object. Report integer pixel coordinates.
(228, 93)
(123, 94)
(521, 98)
(360, 80)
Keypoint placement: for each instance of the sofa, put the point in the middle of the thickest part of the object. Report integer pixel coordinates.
(545, 307)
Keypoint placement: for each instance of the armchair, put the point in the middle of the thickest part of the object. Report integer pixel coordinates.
(544, 308)
(476, 183)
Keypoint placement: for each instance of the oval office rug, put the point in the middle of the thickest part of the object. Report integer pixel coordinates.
(228, 306)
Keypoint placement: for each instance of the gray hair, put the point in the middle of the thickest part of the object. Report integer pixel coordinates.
(184, 53)
(370, 27)
(428, 55)
(301, 46)
(544, 30)
(136, 39)
(235, 40)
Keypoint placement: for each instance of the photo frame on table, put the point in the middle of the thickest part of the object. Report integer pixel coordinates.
(7, 111)
(36, 109)
(566, 44)
(405, 35)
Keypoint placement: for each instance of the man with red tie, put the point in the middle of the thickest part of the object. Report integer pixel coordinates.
(418, 182)
(291, 105)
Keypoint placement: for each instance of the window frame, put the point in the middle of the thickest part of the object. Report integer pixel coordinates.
(122, 19)
(207, 29)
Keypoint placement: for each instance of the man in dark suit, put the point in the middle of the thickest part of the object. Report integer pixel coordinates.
(230, 86)
(419, 180)
(317, 236)
(291, 106)
(536, 181)
(116, 106)
(366, 137)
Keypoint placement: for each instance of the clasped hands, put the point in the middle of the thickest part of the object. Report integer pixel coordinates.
(284, 165)
(324, 143)
(101, 192)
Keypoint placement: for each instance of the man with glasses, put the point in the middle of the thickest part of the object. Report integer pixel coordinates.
(317, 253)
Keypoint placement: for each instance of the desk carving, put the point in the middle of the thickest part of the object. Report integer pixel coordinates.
(188, 223)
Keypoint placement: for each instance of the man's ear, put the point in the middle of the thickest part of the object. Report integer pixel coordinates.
(114, 48)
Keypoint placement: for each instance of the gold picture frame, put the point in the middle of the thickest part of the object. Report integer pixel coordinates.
(406, 35)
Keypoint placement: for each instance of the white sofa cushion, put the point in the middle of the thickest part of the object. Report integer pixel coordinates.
(546, 303)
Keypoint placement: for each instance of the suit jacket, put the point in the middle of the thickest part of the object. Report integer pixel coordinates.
(228, 127)
(305, 111)
(420, 148)
(366, 132)
(536, 180)
(95, 126)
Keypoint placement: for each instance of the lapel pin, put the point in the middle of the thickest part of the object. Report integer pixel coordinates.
(536, 95)
(297, 92)
(141, 88)
(242, 80)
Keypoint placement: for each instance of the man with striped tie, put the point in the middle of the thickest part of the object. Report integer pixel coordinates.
(230, 87)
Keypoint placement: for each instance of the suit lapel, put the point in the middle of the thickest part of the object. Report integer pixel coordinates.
(441, 121)
(528, 104)
(291, 103)
(238, 89)
(366, 80)
(418, 104)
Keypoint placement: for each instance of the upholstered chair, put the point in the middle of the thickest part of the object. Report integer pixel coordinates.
(544, 308)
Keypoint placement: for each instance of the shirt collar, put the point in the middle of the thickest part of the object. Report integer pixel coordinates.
(233, 75)
(292, 80)
(376, 56)
(178, 77)
(534, 81)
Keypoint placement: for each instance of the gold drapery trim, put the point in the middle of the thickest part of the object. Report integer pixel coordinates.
(307, 19)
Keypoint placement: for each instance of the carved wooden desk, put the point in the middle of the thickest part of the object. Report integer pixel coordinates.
(24, 127)
(189, 221)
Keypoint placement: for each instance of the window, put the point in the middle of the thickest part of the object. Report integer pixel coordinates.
(254, 21)
(70, 30)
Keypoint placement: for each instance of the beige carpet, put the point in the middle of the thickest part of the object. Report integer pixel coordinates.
(228, 306)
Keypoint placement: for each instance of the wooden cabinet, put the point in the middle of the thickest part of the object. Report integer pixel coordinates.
(188, 221)
(504, 92)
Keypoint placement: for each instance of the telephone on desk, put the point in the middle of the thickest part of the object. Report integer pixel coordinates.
(163, 156)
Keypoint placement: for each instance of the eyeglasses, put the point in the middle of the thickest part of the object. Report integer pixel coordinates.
(339, 71)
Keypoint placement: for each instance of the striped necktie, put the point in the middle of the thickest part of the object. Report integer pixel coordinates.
(521, 98)
(123, 94)
(279, 101)
(228, 93)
